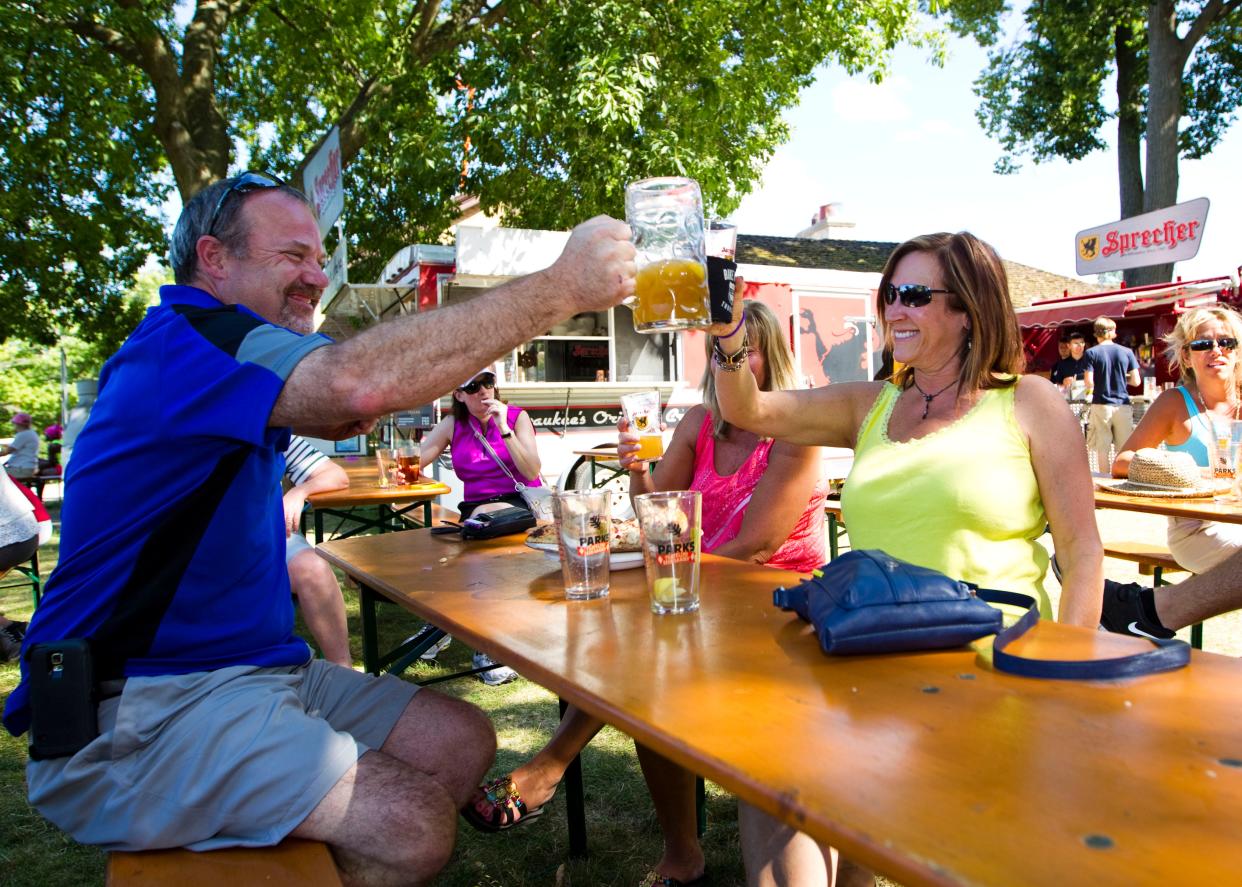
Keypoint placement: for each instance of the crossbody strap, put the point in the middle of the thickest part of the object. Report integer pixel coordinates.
(517, 484)
(1167, 655)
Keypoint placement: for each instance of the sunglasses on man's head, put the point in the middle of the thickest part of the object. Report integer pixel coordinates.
(246, 182)
(1226, 343)
(473, 386)
(912, 295)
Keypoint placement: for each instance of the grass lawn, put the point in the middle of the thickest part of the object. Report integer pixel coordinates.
(621, 827)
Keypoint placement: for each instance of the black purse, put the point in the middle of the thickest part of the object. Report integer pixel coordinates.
(870, 602)
(501, 522)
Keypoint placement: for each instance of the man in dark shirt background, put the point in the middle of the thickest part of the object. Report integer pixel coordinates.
(1074, 365)
(1110, 368)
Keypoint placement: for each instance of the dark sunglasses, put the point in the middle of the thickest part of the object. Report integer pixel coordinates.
(246, 182)
(473, 386)
(912, 295)
(1226, 343)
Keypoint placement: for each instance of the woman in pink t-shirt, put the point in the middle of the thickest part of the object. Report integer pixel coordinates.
(763, 501)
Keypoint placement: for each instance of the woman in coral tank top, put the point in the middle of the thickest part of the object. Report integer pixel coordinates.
(763, 501)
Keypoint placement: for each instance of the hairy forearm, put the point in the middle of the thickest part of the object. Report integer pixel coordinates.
(410, 361)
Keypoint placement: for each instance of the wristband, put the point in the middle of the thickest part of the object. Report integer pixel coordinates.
(733, 332)
(506, 434)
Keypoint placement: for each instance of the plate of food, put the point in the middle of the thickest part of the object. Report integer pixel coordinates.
(625, 546)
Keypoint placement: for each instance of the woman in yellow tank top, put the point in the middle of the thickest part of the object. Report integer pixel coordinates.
(959, 462)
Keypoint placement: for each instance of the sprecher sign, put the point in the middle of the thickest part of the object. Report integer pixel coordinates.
(1166, 235)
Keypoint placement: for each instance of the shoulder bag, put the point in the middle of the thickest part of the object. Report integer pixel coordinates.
(871, 602)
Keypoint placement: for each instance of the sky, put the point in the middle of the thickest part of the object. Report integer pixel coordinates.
(907, 157)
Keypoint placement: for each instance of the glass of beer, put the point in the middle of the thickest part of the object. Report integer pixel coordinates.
(584, 533)
(407, 452)
(670, 525)
(642, 412)
(666, 215)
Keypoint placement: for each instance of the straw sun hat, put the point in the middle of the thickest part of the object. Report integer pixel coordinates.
(1165, 474)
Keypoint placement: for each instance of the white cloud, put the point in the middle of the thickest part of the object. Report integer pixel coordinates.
(857, 101)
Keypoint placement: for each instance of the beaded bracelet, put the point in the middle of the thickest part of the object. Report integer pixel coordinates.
(730, 363)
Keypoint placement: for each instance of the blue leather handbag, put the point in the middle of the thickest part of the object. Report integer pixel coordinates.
(871, 602)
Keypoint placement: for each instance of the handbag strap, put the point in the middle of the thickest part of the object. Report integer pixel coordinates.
(517, 484)
(1166, 656)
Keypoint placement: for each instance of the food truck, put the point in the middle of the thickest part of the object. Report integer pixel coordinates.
(570, 380)
(1144, 316)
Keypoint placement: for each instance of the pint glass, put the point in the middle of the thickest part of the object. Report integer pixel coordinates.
(584, 532)
(670, 526)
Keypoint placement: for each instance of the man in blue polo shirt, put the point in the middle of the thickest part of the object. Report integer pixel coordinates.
(1110, 368)
(215, 727)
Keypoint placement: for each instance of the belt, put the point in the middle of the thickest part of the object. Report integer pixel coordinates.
(108, 689)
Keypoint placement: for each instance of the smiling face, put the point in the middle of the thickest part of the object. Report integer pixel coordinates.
(928, 337)
(279, 275)
(1216, 363)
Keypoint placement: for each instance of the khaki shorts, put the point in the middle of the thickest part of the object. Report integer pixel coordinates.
(227, 758)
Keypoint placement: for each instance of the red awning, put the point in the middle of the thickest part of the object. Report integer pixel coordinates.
(1072, 313)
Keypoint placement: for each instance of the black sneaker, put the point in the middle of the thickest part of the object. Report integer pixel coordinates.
(11, 637)
(1123, 612)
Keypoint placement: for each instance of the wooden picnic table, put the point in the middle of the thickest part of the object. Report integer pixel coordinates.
(363, 490)
(930, 767)
(1198, 509)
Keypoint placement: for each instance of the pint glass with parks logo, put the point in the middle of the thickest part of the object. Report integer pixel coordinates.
(670, 524)
(584, 532)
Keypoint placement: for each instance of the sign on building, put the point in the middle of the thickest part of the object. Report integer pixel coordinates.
(1154, 238)
(324, 183)
(337, 271)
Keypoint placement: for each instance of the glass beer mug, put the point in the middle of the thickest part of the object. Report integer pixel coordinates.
(666, 215)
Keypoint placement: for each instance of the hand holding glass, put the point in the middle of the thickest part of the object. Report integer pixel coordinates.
(666, 216)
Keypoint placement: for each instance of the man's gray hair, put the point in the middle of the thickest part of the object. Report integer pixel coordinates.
(230, 226)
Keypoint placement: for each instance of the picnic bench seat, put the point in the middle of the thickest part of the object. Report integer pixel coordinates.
(1154, 561)
(438, 514)
(292, 862)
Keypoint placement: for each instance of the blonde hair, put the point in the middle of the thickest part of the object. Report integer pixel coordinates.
(1103, 326)
(991, 350)
(1188, 324)
(764, 334)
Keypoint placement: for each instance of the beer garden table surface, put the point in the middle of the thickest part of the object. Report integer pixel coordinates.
(363, 489)
(930, 767)
(1199, 509)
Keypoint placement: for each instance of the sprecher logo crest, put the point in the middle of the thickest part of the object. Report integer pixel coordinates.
(1089, 247)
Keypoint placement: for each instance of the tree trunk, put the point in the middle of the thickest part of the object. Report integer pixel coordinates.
(1166, 57)
(1129, 128)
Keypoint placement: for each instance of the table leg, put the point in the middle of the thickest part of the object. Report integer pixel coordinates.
(575, 804)
(832, 537)
(318, 526)
(370, 634)
(427, 513)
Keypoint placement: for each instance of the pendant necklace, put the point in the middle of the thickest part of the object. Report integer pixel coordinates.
(928, 398)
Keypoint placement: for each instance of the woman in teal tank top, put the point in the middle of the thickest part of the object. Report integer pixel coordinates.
(1203, 347)
(960, 462)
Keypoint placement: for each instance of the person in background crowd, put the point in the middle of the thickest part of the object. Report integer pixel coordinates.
(310, 576)
(493, 447)
(173, 567)
(51, 465)
(958, 426)
(1110, 368)
(1073, 365)
(21, 529)
(23, 452)
(1203, 348)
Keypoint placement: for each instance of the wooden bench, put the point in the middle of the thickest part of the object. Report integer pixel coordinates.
(836, 527)
(439, 514)
(1154, 561)
(292, 862)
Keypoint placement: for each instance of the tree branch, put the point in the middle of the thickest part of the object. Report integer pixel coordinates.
(1213, 12)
